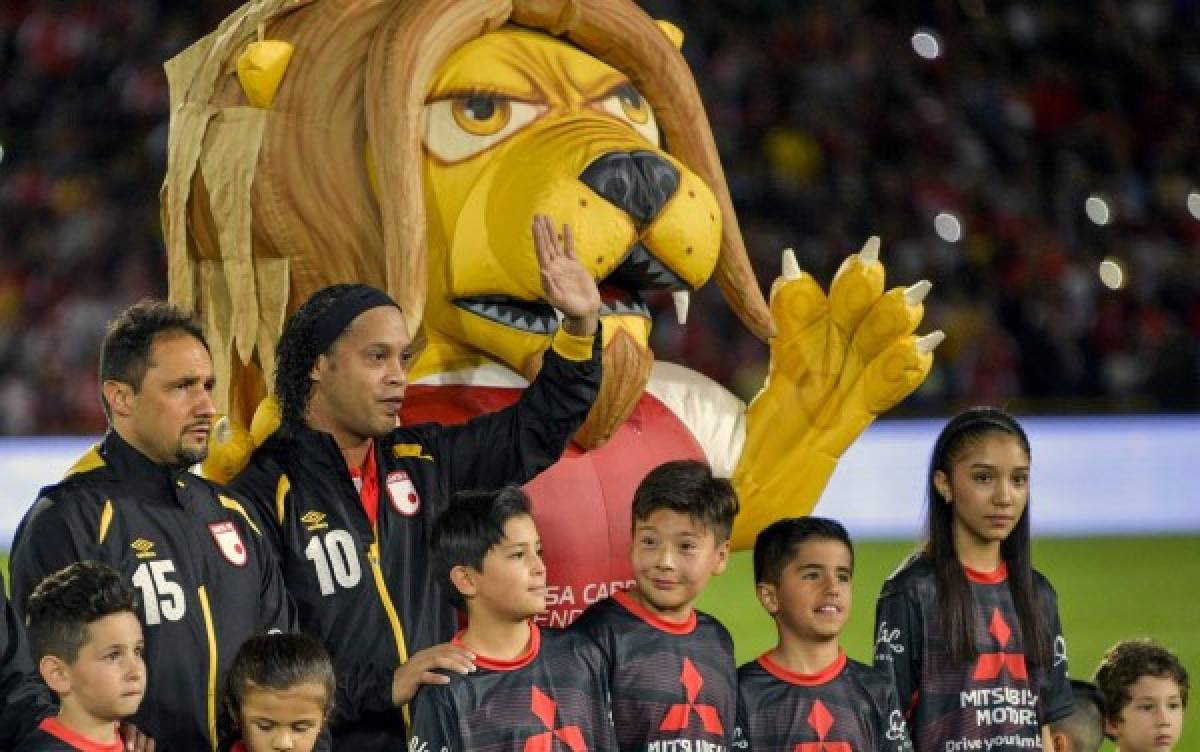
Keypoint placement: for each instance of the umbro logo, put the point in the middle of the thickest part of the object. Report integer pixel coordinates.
(143, 549)
(314, 520)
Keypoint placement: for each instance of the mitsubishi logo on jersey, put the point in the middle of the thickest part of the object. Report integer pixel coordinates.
(821, 721)
(546, 710)
(678, 715)
(991, 664)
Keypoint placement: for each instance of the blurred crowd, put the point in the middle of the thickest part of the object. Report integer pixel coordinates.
(970, 135)
(1002, 150)
(83, 128)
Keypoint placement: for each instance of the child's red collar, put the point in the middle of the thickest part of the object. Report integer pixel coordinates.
(55, 728)
(804, 680)
(670, 627)
(994, 577)
(522, 660)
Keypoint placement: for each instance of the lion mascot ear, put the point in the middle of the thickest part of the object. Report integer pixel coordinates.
(261, 67)
(671, 32)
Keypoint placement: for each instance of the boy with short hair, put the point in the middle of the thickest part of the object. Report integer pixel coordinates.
(805, 693)
(87, 641)
(1145, 691)
(672, 675)
(1083, 729)
(531, 686)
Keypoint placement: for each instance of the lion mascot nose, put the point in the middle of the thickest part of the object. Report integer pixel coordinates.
(638, 182)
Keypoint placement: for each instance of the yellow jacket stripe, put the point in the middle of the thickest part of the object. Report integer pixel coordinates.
(211, 632)
(106, 516)
(89, 461)
(236, 506)
(281, 492)
(390, 609)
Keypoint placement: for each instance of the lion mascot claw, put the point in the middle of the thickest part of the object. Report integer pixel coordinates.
(408, 144)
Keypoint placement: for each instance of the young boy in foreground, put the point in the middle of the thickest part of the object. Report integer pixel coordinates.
(1145, 691)
(805, 693)
(87, 641)
(530, 687)
(671, 668)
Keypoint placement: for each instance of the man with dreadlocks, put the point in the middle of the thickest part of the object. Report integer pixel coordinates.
(351, 494)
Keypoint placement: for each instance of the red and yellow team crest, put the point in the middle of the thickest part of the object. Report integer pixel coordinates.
(403, 493)
(229, 541)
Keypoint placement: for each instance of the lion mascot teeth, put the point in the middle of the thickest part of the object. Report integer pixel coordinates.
(408, 145)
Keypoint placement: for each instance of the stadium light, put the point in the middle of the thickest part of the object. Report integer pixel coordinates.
(926, 44)
(1097, 210)
(947, 227)
(1111, 274)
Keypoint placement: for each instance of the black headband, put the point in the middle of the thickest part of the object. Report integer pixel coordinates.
(334, 319)
(980, 419)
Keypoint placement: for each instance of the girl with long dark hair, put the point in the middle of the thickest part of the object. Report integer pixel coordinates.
(967, 629)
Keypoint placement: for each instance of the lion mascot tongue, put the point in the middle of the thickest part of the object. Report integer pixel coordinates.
(409, 144)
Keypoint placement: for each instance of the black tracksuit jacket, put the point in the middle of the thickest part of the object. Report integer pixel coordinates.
(205, 579)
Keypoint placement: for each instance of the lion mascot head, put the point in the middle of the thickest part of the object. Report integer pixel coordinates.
(408, 144)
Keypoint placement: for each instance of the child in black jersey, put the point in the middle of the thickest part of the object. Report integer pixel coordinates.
(805, 694)
(672, 676)
(1145, 691)
(967, 629)
(87, 641)
(278, 694)
(531, 688)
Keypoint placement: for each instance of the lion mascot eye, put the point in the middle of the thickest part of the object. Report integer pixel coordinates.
(461, 126)
(481, 115)
(626, 104)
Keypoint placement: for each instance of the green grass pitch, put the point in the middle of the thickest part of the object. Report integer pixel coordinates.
(1108, 589)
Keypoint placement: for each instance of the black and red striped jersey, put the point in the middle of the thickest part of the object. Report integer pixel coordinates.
(52, 736)
(673, 685)
(997, 701)
(848, 707)
(551, 699)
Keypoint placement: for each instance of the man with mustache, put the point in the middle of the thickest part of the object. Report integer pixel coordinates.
(205, 579)
(349, 496)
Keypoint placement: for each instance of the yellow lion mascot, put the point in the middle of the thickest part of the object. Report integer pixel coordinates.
(408, 144)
